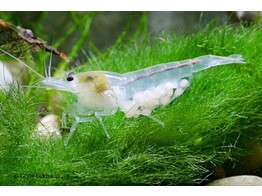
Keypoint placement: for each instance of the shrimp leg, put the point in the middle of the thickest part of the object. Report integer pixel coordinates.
(156, 120)
(98, 116)
(64, 120)
(73, 127)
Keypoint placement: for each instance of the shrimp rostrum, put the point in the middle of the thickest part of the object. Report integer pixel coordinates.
(103, 93)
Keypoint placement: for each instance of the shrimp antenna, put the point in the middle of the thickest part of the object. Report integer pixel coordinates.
(22, 63)
(50, 60)
(49, 66)
(46, 74)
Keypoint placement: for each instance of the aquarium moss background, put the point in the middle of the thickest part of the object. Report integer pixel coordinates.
(207, 130)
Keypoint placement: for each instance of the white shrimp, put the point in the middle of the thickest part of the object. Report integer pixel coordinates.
(102, 93)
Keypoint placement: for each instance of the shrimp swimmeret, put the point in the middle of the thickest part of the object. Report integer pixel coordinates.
(103, 93)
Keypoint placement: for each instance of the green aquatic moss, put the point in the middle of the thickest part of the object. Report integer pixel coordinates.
(207, 126)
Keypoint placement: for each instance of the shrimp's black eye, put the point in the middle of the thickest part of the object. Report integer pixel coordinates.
(70, 77)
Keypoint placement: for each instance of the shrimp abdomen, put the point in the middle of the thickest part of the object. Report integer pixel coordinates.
(147, 89)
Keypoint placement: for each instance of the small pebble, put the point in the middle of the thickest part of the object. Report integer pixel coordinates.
(244, 180)
(5, 76)
(49, 126)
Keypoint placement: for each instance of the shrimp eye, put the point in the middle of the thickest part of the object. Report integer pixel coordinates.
(70, 77)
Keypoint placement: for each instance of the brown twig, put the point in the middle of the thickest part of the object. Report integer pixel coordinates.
(28, 36)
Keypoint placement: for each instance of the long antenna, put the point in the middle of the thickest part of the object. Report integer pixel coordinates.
(22, 63)
(50, 60)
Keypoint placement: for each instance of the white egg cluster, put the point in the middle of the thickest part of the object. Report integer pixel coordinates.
(144, 102)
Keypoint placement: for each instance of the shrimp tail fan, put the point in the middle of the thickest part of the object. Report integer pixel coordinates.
(208, 61)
